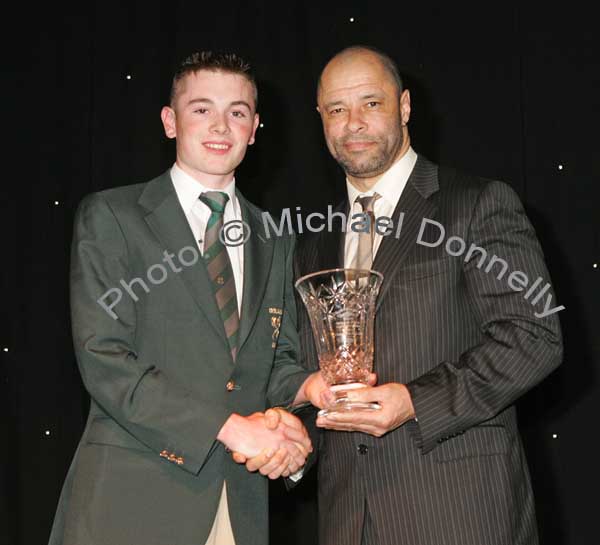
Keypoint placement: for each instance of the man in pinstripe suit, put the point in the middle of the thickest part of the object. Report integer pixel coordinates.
(457, 341)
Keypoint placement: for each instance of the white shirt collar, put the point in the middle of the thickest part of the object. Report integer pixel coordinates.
(391, 184)
(188, 189)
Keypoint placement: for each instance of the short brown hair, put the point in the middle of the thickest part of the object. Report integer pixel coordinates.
(214, 62)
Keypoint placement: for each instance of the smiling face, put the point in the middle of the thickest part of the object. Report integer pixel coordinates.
(213, 119)
(364, 119)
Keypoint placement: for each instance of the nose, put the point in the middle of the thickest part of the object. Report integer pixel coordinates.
(220, 125)
(355, 123)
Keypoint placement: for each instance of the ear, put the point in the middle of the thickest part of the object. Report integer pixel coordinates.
(405, 106)
(253, 137)
(318, 110)
(168, 117)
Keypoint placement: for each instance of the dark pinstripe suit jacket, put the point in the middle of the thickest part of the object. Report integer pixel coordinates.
(467, 345)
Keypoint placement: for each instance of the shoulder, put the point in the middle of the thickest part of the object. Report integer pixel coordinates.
(117, 200)
(456, 186)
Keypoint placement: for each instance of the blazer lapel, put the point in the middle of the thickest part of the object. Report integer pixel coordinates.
(167, 221)
(414, 205)
(258, 256)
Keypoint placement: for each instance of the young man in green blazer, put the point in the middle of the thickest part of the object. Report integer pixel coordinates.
(183, 340)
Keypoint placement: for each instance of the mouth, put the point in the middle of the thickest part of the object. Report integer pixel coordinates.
(219, 148)
(358, 145)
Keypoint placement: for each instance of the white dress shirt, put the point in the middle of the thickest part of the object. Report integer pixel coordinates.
(197, 213)
(390, 187)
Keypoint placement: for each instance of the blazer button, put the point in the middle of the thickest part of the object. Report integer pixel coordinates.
(230, 386)
(362, 449)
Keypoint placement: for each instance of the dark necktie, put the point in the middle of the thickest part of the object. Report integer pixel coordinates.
(219, 267)
(364, 251)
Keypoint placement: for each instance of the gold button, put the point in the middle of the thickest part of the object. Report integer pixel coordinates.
(220, 280)
(172, 457)
(230, 385)
(179, 461)
(164, 454)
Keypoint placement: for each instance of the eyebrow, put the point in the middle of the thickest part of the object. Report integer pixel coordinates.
(209, 101)
(362, 97)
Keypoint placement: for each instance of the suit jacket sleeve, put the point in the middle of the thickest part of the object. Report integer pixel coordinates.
(519, 349)
(287, 376)
(134, 392)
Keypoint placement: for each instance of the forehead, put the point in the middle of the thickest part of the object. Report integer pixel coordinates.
(215, 85)
(356, 75)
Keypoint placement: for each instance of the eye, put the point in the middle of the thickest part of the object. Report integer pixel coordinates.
(336, 111)
(373, 104)
(239, 114)
(200, 111)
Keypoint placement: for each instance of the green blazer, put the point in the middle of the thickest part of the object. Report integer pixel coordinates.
(148, 469)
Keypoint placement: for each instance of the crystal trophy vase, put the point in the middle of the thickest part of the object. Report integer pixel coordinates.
(341, 308)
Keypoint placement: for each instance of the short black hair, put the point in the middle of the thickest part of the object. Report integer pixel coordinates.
(388, 63)
(215, 62)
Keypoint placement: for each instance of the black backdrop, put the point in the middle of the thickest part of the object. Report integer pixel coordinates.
(505, 92)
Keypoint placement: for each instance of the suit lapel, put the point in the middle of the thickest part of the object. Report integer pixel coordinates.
(167, 221)
(415, 204)
(258, 257)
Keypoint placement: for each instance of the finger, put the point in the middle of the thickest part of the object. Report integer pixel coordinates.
(297, 456)
(272, 419)
(372, 380)
(239, 458)
(371, 430)
(299, 436)
(372, 418)
(255, 463)
(279, 462)
(289, 419)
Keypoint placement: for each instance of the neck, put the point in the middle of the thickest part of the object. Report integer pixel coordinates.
(212, 181)
(366, 184)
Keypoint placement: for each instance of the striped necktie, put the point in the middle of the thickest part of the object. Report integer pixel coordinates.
(219, 267)
(364, 252)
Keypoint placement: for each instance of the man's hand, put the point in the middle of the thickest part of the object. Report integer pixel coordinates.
(315, 390)
(280, 463)
(396, 409)
(250, 435)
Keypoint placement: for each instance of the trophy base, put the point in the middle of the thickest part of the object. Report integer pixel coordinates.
(343, 405)
(349, 406)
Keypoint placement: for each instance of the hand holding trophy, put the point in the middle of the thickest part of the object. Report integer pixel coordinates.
(341, 308)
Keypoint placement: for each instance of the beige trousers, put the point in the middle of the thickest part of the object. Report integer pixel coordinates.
(221, 532)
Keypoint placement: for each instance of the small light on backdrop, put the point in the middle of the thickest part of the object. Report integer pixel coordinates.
(262, 125)
(560, 167)
(6, 349)
(554, 436)
(56, 203)
(352, 19)
(128, 76)
(47, 432)
(595, 265)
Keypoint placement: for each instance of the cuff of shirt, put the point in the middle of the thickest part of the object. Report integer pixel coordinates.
(297, 476)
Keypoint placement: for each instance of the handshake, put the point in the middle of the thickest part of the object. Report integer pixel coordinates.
(276, 442)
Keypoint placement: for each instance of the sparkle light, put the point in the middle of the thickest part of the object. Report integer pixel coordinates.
(128, 76)
(554, 436)
(560, 167)
(47, 432)
(352, 19)
(261, 125)
(56, 203)
(595, 265)
(6, 348)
